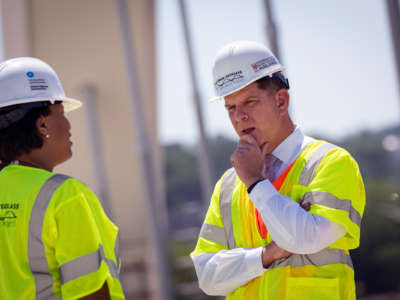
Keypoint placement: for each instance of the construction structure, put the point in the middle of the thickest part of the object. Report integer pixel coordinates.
(82, 41)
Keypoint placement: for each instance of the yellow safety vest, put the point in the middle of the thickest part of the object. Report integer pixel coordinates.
(56, 242)
(325, 176)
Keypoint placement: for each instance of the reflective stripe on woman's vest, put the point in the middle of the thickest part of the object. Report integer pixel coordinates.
(225, 235)
(36, 252)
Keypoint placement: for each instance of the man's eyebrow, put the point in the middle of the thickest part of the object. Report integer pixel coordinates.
(252, 97)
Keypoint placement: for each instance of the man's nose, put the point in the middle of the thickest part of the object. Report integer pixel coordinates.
(241, 115)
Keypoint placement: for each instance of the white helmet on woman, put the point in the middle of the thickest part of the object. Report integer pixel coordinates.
(28, 80)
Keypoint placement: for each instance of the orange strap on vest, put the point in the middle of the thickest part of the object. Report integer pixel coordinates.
(277, 184)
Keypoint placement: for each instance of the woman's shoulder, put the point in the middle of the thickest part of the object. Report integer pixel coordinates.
(71, 188)
(73, 185)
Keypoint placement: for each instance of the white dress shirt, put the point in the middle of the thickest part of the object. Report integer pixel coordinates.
(290, 226)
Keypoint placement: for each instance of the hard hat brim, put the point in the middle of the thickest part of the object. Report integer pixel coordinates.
(69, 104)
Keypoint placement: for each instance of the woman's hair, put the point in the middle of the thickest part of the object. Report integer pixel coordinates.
(22, 136)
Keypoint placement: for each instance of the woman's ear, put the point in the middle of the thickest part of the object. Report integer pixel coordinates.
(41, 126)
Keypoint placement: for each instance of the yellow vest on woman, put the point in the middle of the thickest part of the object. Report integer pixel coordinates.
(56, 241)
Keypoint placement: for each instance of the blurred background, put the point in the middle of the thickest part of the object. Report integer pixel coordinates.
(151, 145)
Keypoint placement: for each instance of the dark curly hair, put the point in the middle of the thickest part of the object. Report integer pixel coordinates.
(22, 136)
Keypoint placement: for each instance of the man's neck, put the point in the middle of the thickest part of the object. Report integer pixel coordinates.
(287, 129)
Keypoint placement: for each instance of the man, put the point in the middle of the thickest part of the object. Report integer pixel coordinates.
(257, 242)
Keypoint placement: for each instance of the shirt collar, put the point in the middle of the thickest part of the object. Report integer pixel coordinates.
(290, 147)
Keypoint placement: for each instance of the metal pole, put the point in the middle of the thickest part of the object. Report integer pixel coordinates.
(272, 33)
(206, 172)
(394, 18)
(272, 36)
(145, 147)
(89, 96)
(1, 32)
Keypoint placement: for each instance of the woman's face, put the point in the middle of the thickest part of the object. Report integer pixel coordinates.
(58, 141)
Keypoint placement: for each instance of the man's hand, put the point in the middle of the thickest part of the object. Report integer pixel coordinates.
(271, 253)
(248, 159)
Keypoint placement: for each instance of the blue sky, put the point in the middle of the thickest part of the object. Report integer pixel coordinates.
(338, 57)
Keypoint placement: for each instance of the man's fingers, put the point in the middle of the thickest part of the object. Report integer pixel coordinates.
(248, 138)
(244, 146)
(264, 149)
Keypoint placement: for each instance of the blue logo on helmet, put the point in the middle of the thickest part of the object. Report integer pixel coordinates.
(30, 74)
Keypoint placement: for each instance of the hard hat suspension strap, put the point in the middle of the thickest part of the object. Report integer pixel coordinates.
(12, 114)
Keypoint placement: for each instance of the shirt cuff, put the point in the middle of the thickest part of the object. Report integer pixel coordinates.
(253, 185)
(253, 260)
(262, 192)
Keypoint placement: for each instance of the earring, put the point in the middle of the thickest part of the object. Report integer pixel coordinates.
(47, 136)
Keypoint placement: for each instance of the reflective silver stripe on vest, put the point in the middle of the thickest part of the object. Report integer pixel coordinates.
(213, 233)
(307, 174)
(36, 252)
(86, 264)
(116, 252)
(322, 258)
(329, 200)
(112, 267)
(225, 200)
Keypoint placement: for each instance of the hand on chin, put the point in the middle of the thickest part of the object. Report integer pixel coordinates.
(248, 159)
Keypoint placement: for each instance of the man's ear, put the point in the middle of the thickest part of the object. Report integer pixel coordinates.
(41, 126)
(282, 98)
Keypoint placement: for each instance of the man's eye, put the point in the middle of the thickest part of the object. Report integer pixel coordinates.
(251, 102)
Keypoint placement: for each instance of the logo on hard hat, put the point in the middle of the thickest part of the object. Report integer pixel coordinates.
(264, 63)
(229, 79)
(38, 84)
(30, 74)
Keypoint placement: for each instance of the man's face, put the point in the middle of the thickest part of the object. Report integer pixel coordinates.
(256, 112)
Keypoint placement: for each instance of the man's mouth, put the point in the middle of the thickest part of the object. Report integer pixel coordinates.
(248, 130)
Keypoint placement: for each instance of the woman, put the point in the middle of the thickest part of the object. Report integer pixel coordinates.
(56, 241)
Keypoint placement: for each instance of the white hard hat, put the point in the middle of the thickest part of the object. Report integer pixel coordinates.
(240, 63)
(27, 80)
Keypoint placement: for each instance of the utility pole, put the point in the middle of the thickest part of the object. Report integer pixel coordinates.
(394, 18)
(89, 96)
(272, 36)
(272, 32)
(146, 149)
(206, 172)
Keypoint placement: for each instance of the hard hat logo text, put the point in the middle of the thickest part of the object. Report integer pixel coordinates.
(264, 63)
(38, 84)
(229, 79)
